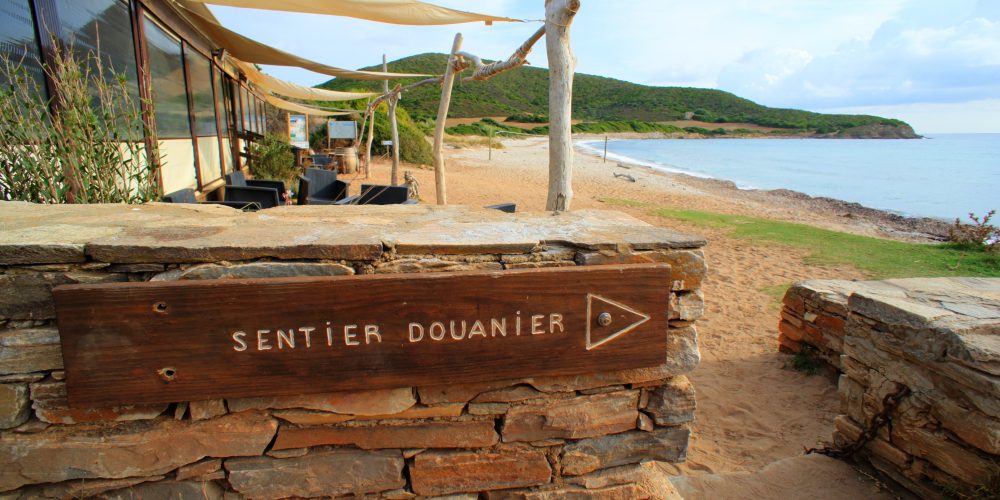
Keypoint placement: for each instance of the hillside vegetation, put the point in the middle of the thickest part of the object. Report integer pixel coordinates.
(596, 98)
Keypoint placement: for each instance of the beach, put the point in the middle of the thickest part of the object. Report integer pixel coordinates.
(755, 416)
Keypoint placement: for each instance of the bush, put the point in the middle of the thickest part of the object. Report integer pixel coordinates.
(272, 158)
(91, 151)
(979, 235)
(527, 118)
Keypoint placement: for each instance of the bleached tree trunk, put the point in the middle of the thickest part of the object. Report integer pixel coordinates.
(442, 116)
(368, 148)
(558, 17)
(394, 173)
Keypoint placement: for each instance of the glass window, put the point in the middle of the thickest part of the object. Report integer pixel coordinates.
(18, 42)
(101, 27)
(199, 70)
(222, 107)
(253, 111)
(166, 71)
(245, 102)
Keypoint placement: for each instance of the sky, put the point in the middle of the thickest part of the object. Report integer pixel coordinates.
(932, 63)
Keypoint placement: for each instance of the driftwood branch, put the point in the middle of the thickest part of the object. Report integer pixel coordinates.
(517, 59)
(627, 177)
(558, 17)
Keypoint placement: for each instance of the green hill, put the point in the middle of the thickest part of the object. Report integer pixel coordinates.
(597, 98)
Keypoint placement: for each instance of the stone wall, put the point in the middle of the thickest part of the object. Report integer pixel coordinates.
(540, 437)
(938, 337)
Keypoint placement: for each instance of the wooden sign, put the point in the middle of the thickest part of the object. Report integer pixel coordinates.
(126, 343)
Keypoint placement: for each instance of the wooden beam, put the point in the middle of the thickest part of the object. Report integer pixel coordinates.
(442, 116)
(558, 17)
(394, 127)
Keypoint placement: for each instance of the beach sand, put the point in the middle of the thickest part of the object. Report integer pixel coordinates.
(755, 417)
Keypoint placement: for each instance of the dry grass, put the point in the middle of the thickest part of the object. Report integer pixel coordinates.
(471, 141)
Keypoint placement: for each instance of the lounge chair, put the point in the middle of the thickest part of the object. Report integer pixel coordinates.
(187, 196)
(504, 207)
(374, 194)
(238, 188)
(321, 187)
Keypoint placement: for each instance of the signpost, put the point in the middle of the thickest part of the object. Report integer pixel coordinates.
(129, 343)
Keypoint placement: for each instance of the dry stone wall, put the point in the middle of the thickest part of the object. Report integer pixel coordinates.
(537, 437)
(938, 338)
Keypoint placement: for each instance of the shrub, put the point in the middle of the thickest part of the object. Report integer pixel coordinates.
(91, 151)
(272, 158)
(978, 235)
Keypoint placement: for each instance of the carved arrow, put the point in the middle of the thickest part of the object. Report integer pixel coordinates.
(608, 320)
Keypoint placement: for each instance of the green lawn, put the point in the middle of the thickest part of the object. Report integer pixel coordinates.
(877, 257)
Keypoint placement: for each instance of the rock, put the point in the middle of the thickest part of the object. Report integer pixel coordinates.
(619, 492)
(445, 472)
(951, 457)
(543, 254)
(687, 306)
(51, 406)
(87, 488)
(433, 265)
(459, 393)
(474, 434)
(672, 403)
(209, 408)
(581, 417)
(645, 423)
(28, 295)
(667, 444)
(488, 408)
(290, 453)
(52, 242)
(136, 268)
(204, 490)
(307, 417)
(199, 469)
(15, 408)
(30, 350)
(509, 394)
(264, 270)
(323, 472)
(129, 449)
(374, 402)
(542, 264)
(687, 267)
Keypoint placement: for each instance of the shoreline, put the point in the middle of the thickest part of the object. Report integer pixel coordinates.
(892, 224)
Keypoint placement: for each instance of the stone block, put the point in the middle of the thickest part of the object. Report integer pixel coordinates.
(945, 454)
(199, 469)
(488, 408)
(264, 270)
(446, 472)
(459, 393)
(687, 267)
(306, 417)
(15, 407)
(209, 408)
(462, 434)
(374, 402)
(687, 306)
(131, 449)
(30, 350)
(322, 472)
(581, 417)
(28, 295)
(668, 444)
(203, 490)
(431, 265)
(617, 492)
(541, 264)
(48, 399)
(510, 394)
(546, 253)
(673, 403)
(968, 423)
(86, 488)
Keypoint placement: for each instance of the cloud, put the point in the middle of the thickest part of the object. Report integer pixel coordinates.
(931, 52)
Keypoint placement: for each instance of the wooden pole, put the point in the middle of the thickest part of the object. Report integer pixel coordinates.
(368, 150)
(442, 116)
(394, 173)
(558, 17)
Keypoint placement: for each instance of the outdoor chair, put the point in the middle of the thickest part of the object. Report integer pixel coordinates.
(504, 207)
(238, 188)
(321, 187)
(374, 194)
(187, 196)
(322, 161)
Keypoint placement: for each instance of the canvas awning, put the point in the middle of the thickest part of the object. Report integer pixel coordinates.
(411, 12)
(249, 50)
(302, 108)
(288, 89)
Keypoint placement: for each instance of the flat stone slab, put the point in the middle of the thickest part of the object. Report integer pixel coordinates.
(180, 233)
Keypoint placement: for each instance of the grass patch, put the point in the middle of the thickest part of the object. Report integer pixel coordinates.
(776, 293)
(877, 257)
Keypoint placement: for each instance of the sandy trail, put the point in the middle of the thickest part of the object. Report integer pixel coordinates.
(752, 410)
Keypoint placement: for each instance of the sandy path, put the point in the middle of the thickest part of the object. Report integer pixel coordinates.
(752, 411)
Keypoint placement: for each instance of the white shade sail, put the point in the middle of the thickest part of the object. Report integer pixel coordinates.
(410, 12)
(289, 89)
(249, 50)
(302, 108)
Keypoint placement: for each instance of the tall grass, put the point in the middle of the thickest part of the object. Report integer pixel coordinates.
(91, 150)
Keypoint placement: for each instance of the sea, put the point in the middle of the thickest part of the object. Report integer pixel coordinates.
(942, 176)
